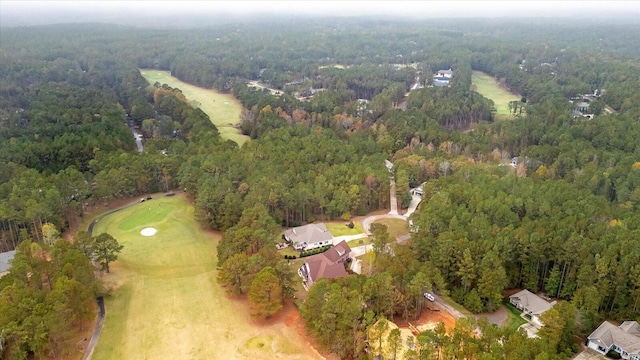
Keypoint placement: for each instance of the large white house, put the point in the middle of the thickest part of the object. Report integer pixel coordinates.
(624, 339)
(309, 236)
(531, 305)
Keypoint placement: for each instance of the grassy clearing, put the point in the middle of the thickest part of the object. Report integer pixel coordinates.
(340, 228)
(395, 227)
(223, 109)
(359, 242)
(165, 301)
(513, 321)
(487, 86)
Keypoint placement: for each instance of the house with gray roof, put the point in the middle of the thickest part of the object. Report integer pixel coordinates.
(5, 261)
(531, 305)
(624, 339)
(329, 264)
(309, 236)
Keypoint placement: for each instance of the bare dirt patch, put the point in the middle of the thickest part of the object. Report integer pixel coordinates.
(275, 335)
(428, 320)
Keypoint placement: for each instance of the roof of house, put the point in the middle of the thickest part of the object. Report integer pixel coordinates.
(328, 264)
(583, 104)
(337, 252)
(5, 260)
(446, 72)
(309, 233)
(532, 302)
(626, 336)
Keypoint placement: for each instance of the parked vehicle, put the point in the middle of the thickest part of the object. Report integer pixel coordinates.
(429, 296)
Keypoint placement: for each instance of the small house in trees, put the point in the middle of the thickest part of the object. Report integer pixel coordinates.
(419, 190)
(447, 74)
(531, 305)
(309, 236)
(442, 78)
(624, 339)
(5, 261)
(329, 264)
(583, 106)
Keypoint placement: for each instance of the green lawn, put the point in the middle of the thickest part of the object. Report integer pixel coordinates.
(395, 227)
(359, 242)
(223, 109)
(487, 86)
(340, 228)
(165, 302)
(514, 320)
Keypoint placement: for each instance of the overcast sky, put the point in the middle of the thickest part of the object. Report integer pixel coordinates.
(11, 9)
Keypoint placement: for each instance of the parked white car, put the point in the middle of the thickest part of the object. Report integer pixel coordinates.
(429, 296)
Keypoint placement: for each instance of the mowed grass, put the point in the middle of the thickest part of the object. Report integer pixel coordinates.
(223, 109)
(165, 302)
(487, 86)
(340, 228)
(514, 320)
(395, 227)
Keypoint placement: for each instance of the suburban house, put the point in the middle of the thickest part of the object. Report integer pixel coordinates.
(419, 190)
(442, 78)
(445, 74)
(329, 264)
(531, 305)
(583, 106)
(309, 236)
(624, 339)
(5, 261)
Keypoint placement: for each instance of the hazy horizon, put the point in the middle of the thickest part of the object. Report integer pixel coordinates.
(19, 13)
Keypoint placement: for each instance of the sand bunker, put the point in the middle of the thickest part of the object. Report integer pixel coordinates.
(148, 231)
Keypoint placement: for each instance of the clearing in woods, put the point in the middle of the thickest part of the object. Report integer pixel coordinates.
(165, 302)
(223, 109)
(489, 88)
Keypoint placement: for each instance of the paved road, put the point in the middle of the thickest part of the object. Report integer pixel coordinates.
(356, 265)
(448, 308)
(415, 201)
(393, 200)
(136, 135)
(96, 332)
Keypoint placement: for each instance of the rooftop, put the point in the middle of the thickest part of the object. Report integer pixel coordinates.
(532, 302)
(309, 234)
(626, 336)
(5, 260)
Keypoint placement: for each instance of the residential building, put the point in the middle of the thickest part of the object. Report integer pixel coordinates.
(624, 339)
(309, 236)
(531, 305)
(329, 264)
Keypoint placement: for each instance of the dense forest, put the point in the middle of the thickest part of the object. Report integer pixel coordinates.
(566, 223)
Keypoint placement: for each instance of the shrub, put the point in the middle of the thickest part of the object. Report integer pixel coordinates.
(350, 225)
(612, 354)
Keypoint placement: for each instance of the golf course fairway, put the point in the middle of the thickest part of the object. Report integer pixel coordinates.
(487, 86)
(164, 301)
(223, 109)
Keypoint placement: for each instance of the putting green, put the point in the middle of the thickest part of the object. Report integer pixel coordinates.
(223, 109)
(486, 85)
(147, 214)
(165, 302)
